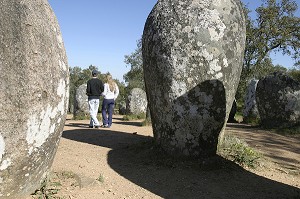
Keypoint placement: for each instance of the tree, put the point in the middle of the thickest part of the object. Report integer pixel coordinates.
(276, 29)
(135, 77)
(295, 74)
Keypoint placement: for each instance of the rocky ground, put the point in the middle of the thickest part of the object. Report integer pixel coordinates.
(120, 163)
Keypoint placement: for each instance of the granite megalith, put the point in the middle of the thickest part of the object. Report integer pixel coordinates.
(136, 102)
(34, 91)
(232, 112)
(250, 111)
(192, 60)
(278, 101)
(81, 105)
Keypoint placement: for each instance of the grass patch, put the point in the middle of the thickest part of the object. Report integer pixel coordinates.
(147, 122)
(239, 152)
(134, 117)
(51, 186)
(48, 190)
(253, 121)
(83, 116)
(100, 178)
(291, 131)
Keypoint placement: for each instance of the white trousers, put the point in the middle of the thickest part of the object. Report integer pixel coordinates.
(93, 107)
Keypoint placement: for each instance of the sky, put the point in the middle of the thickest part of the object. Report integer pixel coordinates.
(101, 33)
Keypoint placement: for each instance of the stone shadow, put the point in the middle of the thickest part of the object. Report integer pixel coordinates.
(134, 158)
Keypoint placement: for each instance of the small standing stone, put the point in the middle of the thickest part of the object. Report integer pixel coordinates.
(81, 106)
(136, 102)
(278, 100)
(250, 107)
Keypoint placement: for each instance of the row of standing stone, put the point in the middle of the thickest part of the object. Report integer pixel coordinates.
(275, 100)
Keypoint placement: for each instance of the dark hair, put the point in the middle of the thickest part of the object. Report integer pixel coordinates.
(94, 73)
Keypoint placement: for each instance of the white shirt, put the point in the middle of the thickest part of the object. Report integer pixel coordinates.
(108, 94)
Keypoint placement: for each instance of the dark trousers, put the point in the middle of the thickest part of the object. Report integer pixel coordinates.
(107, 108)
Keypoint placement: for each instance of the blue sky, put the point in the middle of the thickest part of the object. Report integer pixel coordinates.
(101, 33)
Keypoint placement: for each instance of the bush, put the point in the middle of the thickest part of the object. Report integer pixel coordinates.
(134, 117)
(238, 151)
(288, 131)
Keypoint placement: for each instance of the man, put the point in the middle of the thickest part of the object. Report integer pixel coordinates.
(93, 91)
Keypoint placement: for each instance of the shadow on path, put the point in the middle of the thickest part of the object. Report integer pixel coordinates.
(283, 150)
(131, 158)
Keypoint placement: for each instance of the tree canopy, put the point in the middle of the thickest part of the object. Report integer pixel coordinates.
(276, 29)
(135, 77)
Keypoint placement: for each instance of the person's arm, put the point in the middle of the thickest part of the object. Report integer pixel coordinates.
(104, 90)
(102, 87)
(88, 88)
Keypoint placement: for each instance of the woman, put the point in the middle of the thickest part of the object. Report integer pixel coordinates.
(110, 93)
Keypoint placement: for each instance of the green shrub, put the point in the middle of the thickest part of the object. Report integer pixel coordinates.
(288, 131)
(238, 151)
(253, 121)
(48, 190)
(134, 117)
(100, 178)
(147, 122)
(84, 116)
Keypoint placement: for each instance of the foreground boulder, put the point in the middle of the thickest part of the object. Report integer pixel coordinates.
(278, 101)
(136, 102)
(192, 59)
(33, 93)
(81, 105)
(250, 111)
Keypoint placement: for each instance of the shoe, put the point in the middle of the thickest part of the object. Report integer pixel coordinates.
(97, 127)
(104, 125)
(91, 127)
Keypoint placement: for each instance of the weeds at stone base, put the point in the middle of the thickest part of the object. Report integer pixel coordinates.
(147, 122)
(85, 117)
(48, 190)
(253, 121)
(238, 151)
(100, 178)
(288, 131)
(51, 187)
(134, 117)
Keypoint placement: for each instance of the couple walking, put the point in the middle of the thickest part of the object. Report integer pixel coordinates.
(109, 91)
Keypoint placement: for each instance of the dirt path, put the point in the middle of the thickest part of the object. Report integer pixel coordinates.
(111, 164)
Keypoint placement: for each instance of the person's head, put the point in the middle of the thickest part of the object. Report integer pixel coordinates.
(108, 78)
(94, 73)
(111, 83)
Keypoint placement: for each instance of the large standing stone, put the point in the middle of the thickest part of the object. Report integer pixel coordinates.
(278, 101)
(250, 107)
(192, 55)
(81, 105)
(34, 94)
(136, 102)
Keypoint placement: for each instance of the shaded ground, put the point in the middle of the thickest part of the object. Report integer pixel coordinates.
(119, 163)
